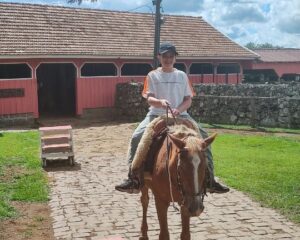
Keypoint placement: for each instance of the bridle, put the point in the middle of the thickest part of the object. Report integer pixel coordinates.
(179, 182)
(178, 160)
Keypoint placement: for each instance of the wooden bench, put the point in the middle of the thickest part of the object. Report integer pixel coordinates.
(56, 143)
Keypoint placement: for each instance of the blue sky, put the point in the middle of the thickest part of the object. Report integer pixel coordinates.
(259, 21)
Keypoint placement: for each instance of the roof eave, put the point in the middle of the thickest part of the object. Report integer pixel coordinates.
(71, 57)
(123, 57)
(217, 57)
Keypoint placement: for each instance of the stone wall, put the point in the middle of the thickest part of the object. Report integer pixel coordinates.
(9, 120)
(129, 103)
(243, 104)
(249, 90)
(254, 111)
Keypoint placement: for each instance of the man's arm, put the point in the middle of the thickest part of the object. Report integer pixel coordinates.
(163, 103)
(155, 102)
(186, 103)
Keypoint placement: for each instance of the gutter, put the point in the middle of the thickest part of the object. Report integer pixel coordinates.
(123, 57)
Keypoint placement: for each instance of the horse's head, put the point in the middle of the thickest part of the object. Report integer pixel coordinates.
(191, 168)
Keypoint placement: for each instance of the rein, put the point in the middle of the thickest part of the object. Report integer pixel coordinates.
(171, 111)
(167, 160)
(168, 167)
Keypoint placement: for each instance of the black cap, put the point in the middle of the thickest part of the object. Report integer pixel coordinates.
(166, 47)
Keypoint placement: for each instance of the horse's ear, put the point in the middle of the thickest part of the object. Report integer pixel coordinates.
(178, 142)
(209, 140)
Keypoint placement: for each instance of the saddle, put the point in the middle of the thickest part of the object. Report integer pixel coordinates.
(158, 129)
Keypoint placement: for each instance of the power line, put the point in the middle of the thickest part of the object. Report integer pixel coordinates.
(146, 5)
(158, 22)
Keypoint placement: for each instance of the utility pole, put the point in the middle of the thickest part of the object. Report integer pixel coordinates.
(157, 32)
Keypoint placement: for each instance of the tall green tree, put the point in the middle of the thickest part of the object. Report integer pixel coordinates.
(252, 45)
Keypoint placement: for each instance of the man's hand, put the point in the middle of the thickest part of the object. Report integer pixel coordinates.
(176, 112)
(164, 103)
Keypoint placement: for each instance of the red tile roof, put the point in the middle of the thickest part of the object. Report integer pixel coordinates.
(28, 30)
(279, 55)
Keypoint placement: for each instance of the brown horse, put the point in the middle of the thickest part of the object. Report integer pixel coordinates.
(178, 176)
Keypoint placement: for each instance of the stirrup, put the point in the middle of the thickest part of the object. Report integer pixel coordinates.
(129, 186)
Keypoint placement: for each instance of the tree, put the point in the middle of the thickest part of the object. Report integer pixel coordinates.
(252, 45)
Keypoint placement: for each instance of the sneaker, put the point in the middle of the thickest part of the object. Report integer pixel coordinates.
(129, 186)
(217, 188)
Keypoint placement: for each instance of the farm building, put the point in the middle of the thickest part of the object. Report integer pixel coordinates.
(274, 64)
(67, 61)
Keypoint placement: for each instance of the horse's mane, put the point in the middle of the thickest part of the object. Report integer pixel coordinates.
(192, 138)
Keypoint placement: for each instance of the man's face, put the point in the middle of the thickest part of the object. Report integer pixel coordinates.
(167, 59)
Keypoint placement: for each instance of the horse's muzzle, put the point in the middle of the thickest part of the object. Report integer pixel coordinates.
(195, 206)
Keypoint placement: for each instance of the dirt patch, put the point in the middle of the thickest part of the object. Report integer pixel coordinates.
(11, 172)
(33, 222)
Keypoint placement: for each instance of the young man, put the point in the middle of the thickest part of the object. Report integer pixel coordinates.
(167, 86)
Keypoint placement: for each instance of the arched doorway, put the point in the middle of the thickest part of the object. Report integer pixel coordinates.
(56, 89)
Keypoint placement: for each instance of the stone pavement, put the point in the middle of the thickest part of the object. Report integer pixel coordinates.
(84, 204)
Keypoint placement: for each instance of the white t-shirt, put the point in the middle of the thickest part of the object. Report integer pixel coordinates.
(172, 86)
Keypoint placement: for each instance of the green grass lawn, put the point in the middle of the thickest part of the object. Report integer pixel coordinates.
(265, 167)
(21, 175)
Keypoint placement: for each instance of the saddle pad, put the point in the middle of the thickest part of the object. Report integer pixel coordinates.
(152, 130)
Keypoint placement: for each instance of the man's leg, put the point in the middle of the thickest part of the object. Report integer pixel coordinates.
(132, 185)
(212, 185)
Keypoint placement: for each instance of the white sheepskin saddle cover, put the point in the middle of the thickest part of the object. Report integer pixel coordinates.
(146, 140)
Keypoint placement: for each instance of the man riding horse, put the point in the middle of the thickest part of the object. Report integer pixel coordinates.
(166, 87)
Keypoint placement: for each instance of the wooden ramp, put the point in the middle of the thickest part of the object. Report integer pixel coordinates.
(56, 143)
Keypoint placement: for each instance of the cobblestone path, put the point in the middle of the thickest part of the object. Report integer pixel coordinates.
(84, 204)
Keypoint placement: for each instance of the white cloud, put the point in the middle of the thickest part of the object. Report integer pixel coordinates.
(275, 22)
(243, 14)
(286, 16)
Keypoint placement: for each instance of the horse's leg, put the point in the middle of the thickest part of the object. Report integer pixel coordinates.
(145, 202)
(162, 211)
(185, 223)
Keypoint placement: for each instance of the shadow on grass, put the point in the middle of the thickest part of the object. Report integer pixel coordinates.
(253, 129)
